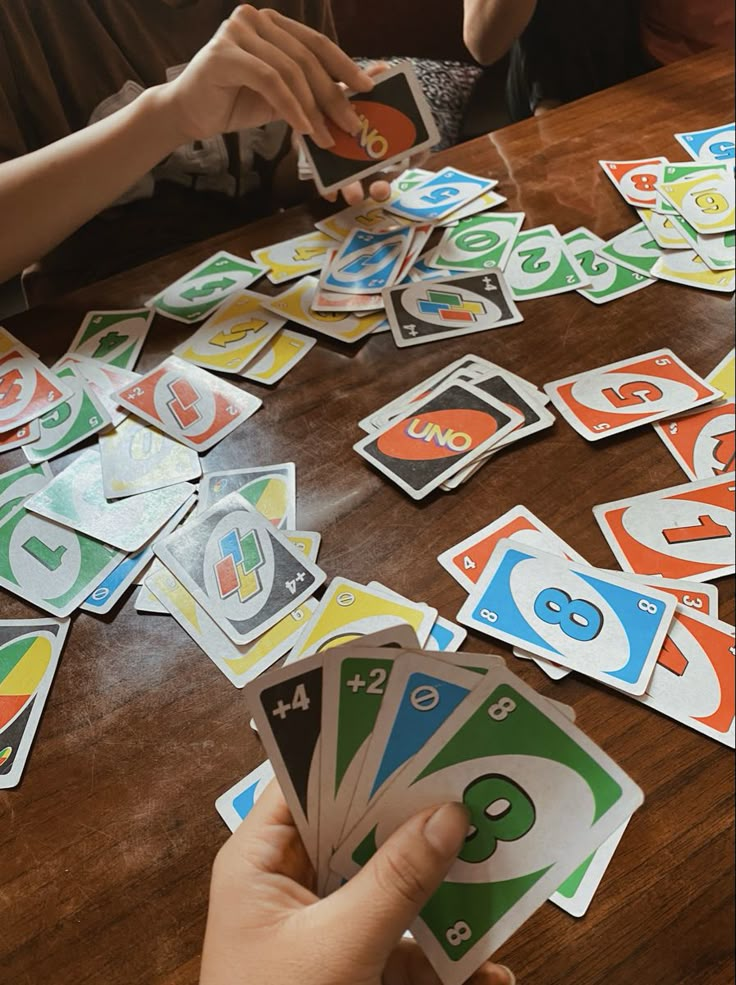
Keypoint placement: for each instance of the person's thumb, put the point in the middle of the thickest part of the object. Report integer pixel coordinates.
(388, 893)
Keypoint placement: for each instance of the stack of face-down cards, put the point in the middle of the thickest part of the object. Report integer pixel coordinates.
(363, 737)
(439, 433)
(655, 637)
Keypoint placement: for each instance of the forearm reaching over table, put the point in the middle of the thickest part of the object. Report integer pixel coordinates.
(492, 26)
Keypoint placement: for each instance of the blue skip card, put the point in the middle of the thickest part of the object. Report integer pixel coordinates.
(591, 621)
(439, 195)
(237, 803)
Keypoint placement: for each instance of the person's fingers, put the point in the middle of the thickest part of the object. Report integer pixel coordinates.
(376, 68)
(394, 886)
(380, 191)
(353, 193)
(249, 72)
(408, 965)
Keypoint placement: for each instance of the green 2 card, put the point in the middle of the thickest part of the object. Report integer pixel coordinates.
(542, 798)
(541, 264)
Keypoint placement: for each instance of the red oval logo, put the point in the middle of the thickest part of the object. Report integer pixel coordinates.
(385, 131)
(437, 434)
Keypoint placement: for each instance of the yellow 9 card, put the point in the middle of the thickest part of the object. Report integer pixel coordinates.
(707, 202)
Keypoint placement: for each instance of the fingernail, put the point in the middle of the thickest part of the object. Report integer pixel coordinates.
(447, 829)
(509, 972)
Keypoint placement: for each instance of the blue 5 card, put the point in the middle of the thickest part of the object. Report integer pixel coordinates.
(367, 262)
(237, 802)
(716, 144)
(588, 620)
(439, 195)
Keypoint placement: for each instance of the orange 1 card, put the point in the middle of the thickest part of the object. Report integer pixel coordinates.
(188, 403)
(703, 442)
(466, 560)
(683, 532)
(636, 180)
(693, 681)
(629, 393)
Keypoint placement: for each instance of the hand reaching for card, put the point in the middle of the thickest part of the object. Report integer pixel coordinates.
(266, 927)
(259, 67)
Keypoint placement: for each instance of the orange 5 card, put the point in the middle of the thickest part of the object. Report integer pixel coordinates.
(683, 532)
(629, 393)
(693, 681)
(703, 442)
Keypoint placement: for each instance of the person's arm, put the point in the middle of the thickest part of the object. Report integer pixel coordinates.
(492, 26)
(259, 67)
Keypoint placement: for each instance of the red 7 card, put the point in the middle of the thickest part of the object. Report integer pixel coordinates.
(636, 180)
(693, 681)
(188, 403)
(703, 443)
(683, 532)
(27, 388)
(629, 393)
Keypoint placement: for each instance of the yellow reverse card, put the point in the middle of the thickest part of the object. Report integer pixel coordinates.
(233, 336)
(349, 611)
(239, 664)
(723, 376)
(296, 305)
(708, 201)
(686, 267)
(295, 257)
(282, 353)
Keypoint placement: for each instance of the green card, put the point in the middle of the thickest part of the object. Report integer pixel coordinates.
(478, 243)
(67, 425)
(196, 294)
(541, 264)
(114, 337)
(634, 249)
(16, 486)
(608, 281)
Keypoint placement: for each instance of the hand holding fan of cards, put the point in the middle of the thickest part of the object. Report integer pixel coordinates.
(363, 738)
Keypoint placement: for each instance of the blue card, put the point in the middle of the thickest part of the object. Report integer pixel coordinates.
(237, 803)
(716, 144)
(367, 262)
(438, 196)
(592, 621)
(445, 637)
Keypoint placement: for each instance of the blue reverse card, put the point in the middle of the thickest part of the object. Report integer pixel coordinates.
(582, 618)
(368, 261)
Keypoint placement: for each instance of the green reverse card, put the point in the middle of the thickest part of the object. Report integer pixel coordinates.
(194, 296)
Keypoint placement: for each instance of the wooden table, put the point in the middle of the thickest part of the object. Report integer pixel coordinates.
(107, 844)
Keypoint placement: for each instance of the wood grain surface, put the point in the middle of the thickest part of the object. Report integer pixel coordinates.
(106, 847)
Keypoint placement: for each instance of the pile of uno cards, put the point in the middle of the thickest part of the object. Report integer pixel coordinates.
(226, 559)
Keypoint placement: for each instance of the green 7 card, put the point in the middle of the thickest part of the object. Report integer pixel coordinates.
(188, 403)
(198, 293)
(18, 484)
(70, 423)
(76, 499)
(478, 243)
(542, 798)
(51, 566)
(541, 264)
(29, 654)
(114, 337)
(608, 280)
(241, 570)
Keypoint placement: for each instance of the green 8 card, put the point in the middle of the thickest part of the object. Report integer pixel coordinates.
(541, 264)
(541, 798)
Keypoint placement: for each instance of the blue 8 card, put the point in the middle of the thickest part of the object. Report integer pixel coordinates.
(591, 621)
(541, 797)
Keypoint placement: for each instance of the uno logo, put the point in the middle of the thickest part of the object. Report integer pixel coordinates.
(384, 132)
(437, 434)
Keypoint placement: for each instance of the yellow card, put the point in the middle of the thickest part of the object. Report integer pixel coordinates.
(295, 257)
(282, 353)
(663, 229)
(296, 305)
(233, 336)
(686, 267)
(723, 376)
(137, 458)
(367, 215)
(708, 201)
(239, 664)
(308, 541)
(349, 611)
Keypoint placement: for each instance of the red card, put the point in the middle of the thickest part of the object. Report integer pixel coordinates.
(702, 443)
(27, 388)
(636, 180)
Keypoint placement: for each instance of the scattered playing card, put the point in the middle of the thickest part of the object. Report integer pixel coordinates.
(723, 377)
(188, 403)
(24, 435)
(634, 249)
(703, 442)
(233, 336)
(687, 268)
(295, 257)
(478, 243)
(296, 304)
(421, 312)
(198, 293)
(367, 261)
(608, 280)
(541, 264)
(113, 337)
(715, 144)
(439, 195)
(707, 201)
(270, 489)
(279, 357)
(628, 394)
(636, 180)
(136, 458)
(27, 388)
